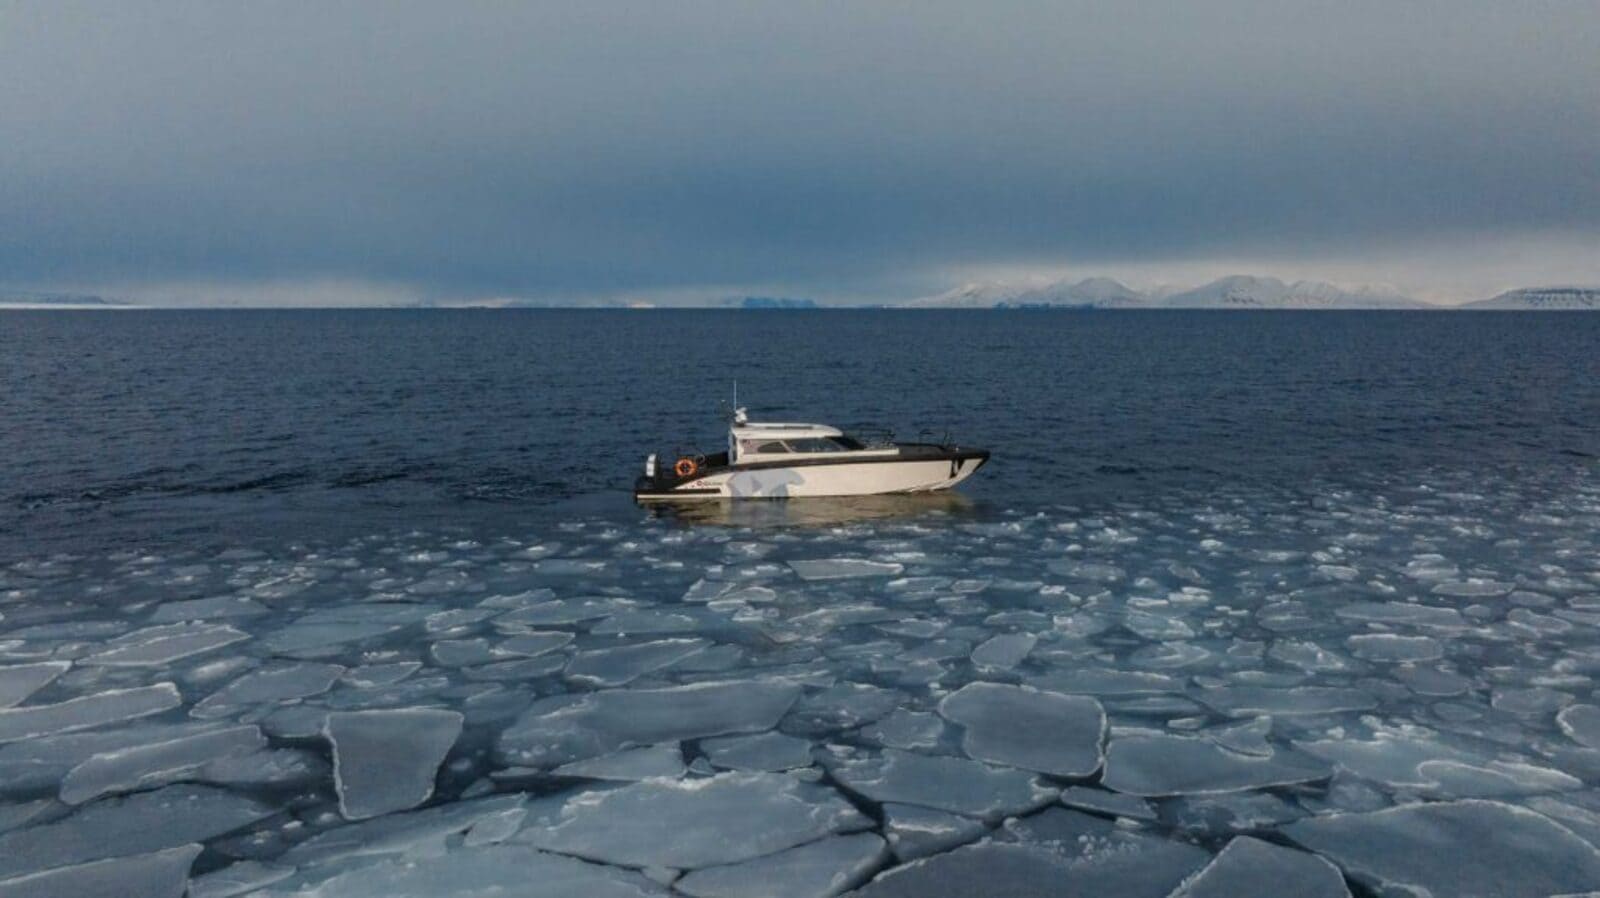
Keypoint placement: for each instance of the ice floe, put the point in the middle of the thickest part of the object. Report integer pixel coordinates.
(624, 664)
(237, 879)
(630, 764)
(764, 751)
(164, 644)
(1105, 857)
(15, 815)
(315, 640)
(1244, 738)
(1005, 651)
(207, 609)
(385, 761)
(159, 874)
(1103, 802)
(269, 685)
(915, 832)
(819, 869)
(38, 765)
(842, 706)
(1065, 860)
(1251, 868)
(532, 644)
(1105, 682)
(1581, 723)
(1394, 648)
(86, 711)
(956, 785)
(471, 872)
(1157, 765)
(1429, 617)
(19, 681)
(1464, 848)
(987, 868)
(844, 568)
(1413, 757)
(410, 833)
(1020, 726)
(143, 766)
(722, 819)
(117, 827)
(564, 729)
(1251, 701)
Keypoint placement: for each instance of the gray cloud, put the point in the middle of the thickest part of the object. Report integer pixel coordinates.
(839, 148)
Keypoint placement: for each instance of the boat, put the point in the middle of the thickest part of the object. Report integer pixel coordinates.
(790, 460)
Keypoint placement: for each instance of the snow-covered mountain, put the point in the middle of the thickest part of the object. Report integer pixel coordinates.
(1543, 299)
(970, 296)
(1240, 291)
(1237, 292)
(1249, 292)
(32, 298)
(1093, 293)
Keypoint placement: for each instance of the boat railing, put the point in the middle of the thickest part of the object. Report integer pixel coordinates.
(875, 437)
(872, 436)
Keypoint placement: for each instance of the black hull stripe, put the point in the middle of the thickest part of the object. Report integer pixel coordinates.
(950, 455)
(646, 487)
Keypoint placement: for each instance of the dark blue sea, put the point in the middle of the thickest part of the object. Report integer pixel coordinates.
(192, 428)
(357, 602)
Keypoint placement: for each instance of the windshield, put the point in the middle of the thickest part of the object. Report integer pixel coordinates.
(799, 445)
(761, 447)
(824, 444)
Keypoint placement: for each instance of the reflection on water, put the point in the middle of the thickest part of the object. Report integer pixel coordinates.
(813, 511)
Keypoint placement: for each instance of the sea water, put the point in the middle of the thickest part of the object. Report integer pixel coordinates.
(346, 603)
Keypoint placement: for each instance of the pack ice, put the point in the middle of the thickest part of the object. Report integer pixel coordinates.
(1375, 686)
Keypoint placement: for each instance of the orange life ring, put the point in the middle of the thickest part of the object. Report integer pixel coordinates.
(685, 467)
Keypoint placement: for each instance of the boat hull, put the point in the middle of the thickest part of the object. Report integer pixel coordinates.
(927, 473)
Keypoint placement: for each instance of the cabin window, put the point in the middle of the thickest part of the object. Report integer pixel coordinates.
(757, 447)
(823, 444)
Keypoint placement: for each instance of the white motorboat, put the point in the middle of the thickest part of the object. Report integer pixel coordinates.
(786, 460)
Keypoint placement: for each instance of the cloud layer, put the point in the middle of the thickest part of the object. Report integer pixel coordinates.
(861, 150)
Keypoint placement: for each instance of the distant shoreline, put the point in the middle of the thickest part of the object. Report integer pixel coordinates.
(1235, 293)
(110, 307)
(75, 307)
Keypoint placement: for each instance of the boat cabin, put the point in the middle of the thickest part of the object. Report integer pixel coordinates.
(786, 459)
(750, 442)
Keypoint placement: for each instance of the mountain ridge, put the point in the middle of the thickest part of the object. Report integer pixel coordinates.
(37, 298)
(1238, 291)
(1543, 299)
(1254, 292)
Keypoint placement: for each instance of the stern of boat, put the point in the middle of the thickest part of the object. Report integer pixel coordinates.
(662, 480)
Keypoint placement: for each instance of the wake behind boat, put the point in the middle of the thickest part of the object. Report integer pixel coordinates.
(788, 460)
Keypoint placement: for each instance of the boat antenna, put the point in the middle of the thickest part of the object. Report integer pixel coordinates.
(739, 416)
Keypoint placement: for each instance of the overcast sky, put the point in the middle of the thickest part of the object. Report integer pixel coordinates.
(348, 152)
